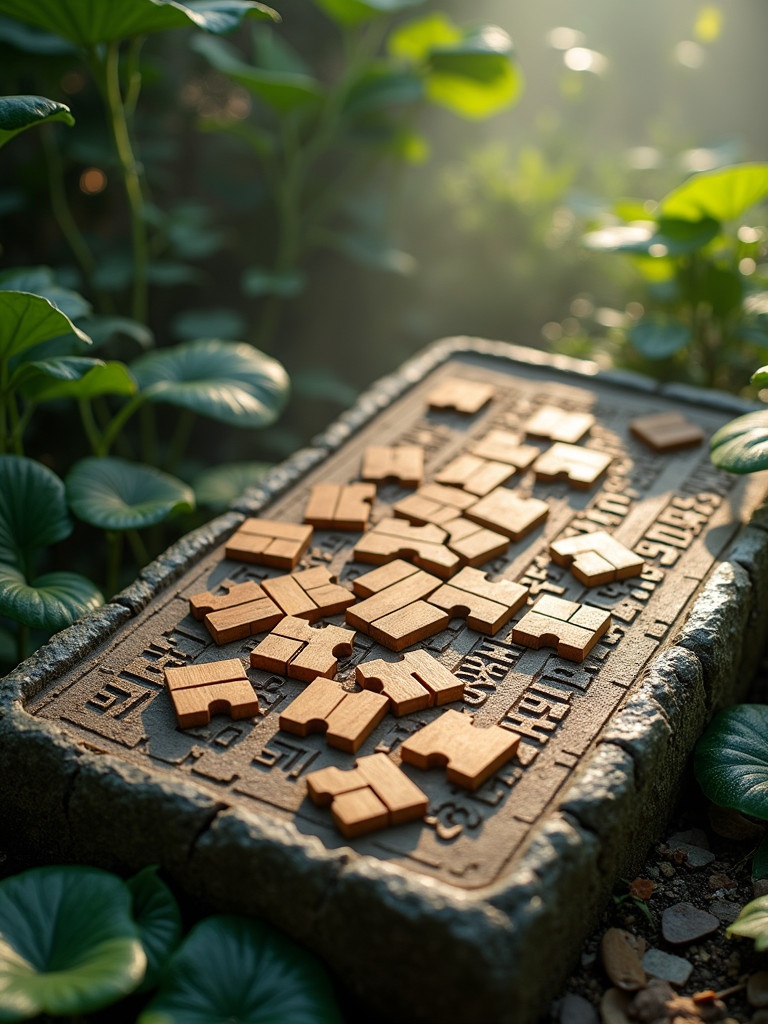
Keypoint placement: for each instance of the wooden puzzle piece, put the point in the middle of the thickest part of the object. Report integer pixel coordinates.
(474, 544)
(309, 594)
(434, 503)
(596, 558)
(439, 504)
(502, 511)
(242, 609)
(572, 629)
(579, 466)
(295, 649)
(373, 794)
(217, 687)
(666, 431)
(415, 682)
(469, 754)
(402, 463)
(504, 446)
(395, 612)
(465, 396)
(347, 719)
(475, 475)
(269, 542)
(393, 538)
(558, 425)
(486, 605)
(340, 507)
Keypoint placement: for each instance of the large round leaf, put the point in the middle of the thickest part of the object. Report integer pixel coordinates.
(731, 760)
(49, 602)
(724, 194)
(33, 508)
(354, 12)
(659, 339)
(42, 281)
(219, 486)
(158, 918)
(74, 377)
(17, 113)
(225, 380)
(26, 320)
(752, 923)
(741, 446)
(667, 238)
(233, 969)
(68, 944)
(117, 495)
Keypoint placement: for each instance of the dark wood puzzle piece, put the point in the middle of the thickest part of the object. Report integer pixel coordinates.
(572, 629)
(596, 558)
(558, 425)
(217, 687)
(579, 466)
(401, 463)
(666, 431)
(347, 719)
(395, 613)
(269, 542)
(465, 396)
(486, 605)
(394, 538)
(415, 682)
(340, 507)
(295, 649)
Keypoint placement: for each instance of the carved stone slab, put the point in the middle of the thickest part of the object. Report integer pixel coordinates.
(468, 911)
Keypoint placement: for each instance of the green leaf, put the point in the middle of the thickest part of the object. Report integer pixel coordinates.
(68, 944)
(216, 488)
(194, 323)
(75, 377)
(42, 281)
(668, 238)
(33, 508)
(231, 968)
(117, 495)
(760, 377)
(86, 23)
(258, 281)
(752, 923)
(355, 12)
(414, 41)
(225, 380)
(158, 918)
(722, 289)
(724, 194)
(659, 339)
(30, 40)
(475, 77)
(49, 602)
(741, 446)
(26, 320)
(105, 329)
(17, 113)
(380, 87)
(731, 759)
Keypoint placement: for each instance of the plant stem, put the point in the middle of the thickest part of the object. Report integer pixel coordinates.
(118, 422)
(138, 547)
(180, 439)
(114, 555)
(90, 427)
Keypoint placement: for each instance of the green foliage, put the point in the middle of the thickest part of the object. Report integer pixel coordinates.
(117, 495)
(752, 923)
(17, 113)
(741, 446)
(217, 487)
(158, 920)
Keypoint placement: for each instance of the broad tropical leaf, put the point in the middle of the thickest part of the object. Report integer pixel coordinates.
(659, 339)
(33, 508)
(760, 377)
(724, 194)
(117, 495)
(42, 281)
(27, 320)
(741, 446)
(158, 918)
(68, 945)
(75, 377)
(17, 113)
(731, 759)
(216, 488)
(667, 238)
(49, 602)
(355, 12)
(752, 923)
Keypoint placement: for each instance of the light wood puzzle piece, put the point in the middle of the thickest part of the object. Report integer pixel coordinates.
(309, 594)
(558, 425)
(572, 629)
(373, 794)
(486, 605)
(465, 396)
(666, 431)
(438, 504)
(401, 463)
(475, 475)
(470, 755)
(415, 682)
(503, 512)
(504, 446)
(269, 542)
(217, 687)
(579, 466)
(295, 649)
(394, 611)
(242, 609)
(394, 538)
(347, 719)
(596, 558)
(340, 506)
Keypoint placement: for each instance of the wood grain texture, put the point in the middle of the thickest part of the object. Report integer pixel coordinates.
(470, 755)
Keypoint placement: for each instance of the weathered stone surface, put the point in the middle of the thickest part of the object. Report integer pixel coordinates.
(683, 923)
(575, 1009)
(667, 966)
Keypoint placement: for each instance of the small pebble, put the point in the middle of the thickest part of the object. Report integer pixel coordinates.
(621, 953)
(683, 923)
(575, 1009)
(692, 836)
(614, 1006)
(695, 856)
(667, 966)
(725, 910)
(757, 989)
(666, 869)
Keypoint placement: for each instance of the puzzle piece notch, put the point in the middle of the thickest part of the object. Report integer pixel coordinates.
(572, 629)
(295, 649)
(666, 431)
(475, 475)
(415, 682)
(340, 506)
(464, 396)
(394, 611)
(486, 605)
(309, 594)
(504, 512)
(394, 538)
(504, 446)
(217, 687)
(596, 558)
(581, 467)
(559, 425)
(373, 794)
(269, 542)
(442, 505)
(403, 464)
(347, 719)
(469, 754)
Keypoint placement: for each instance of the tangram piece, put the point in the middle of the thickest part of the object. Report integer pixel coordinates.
(467, 396)
(347, 719)
(217, 687)
(504, 446)
(579, 466)
(485, 605)
(374, 794)
(295, 649)
(417, 681)
(557, 425)
(596, 558)
(309, 594)
(402, 463)
(469, 754)
(394, 538)
(242, 609)
(434, 503)
(503, 511)
(269, 542)
(475, 475)
(441, 505)
(340, 507)
(395, 612)
(572, 629)
(666, 431)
